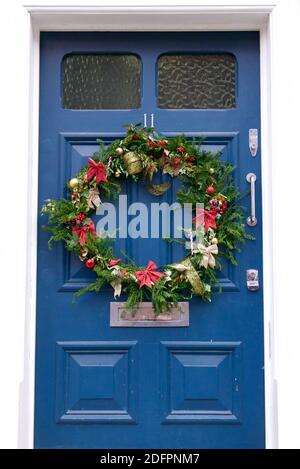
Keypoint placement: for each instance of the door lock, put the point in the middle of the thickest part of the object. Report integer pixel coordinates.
(252, 280)
(253, 141)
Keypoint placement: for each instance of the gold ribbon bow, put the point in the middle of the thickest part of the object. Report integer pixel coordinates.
(208, 255)
(93, 199)
(186, 267)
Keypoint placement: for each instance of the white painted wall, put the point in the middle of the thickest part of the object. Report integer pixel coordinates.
(286, 184)
(14, 99)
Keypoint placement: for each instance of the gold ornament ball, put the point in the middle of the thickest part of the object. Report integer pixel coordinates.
(73, 183)
(117, 174)
(133, 162)
(214, 241)
(211, 170)
(119, 151)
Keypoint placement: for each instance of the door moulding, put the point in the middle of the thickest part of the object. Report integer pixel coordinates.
(146, 18)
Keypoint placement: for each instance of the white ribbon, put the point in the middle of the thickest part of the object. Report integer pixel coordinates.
(179, 267)
(116, 283)
(208, 255)
(192, 242)
(117, 286)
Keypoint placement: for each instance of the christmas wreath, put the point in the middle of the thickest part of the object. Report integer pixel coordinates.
(206, 180)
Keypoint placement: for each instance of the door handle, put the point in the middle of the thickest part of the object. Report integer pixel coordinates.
(145, 120)
(252, 220)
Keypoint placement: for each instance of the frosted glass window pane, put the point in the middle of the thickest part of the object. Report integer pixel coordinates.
(104, 81)
(196, 81)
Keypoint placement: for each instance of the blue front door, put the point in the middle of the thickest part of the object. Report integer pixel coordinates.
(97, 386)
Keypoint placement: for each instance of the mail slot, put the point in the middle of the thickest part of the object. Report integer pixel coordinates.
(144, 316)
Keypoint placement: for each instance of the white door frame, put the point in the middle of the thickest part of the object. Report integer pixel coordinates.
(167, 18)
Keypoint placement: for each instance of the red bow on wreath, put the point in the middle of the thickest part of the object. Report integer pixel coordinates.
(81, 231)
(148, 276)
(98, 170)
(208, 217)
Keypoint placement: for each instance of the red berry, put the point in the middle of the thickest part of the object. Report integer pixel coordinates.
(210, 190)
(80, 217)
(90, 263)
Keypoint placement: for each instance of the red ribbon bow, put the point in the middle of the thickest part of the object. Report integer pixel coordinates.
(98, 170)
(82, 231)
(208, 217)
(148, 275)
